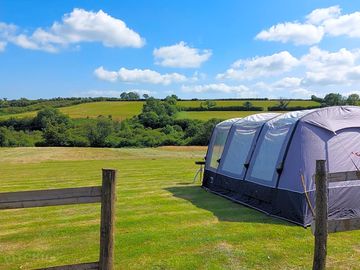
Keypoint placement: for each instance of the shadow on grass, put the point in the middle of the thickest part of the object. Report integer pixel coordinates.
(223, 209)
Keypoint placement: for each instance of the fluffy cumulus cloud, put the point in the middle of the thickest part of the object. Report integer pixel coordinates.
(76, 27)
(314, 72)
(263, 66)
(237, 90)
(298, 33)
(6, 31)
(347, 25)
(320, 15)
(139, 76)
(288, 86)
(180, 55)
(331, 68)
(319, 23)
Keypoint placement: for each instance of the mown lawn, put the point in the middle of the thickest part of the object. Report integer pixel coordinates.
(162, 221)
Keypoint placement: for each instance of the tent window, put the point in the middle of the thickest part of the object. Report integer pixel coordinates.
(238, 151)
(218, 146)
(266, 159)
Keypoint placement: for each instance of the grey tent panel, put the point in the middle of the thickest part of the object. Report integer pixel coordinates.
(279, 155)
(240, 144)
(217, 143)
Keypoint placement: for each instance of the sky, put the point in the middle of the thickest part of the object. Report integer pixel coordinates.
(194, 49)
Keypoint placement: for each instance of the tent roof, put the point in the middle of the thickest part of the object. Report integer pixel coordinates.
(334, 118)
(330, 118)
(256, 119)
(228, 122)
(287, 118)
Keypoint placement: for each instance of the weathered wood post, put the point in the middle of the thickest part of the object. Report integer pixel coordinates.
(321, 216)
(107, 226)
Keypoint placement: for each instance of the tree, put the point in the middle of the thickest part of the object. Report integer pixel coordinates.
(248, 105)
(123, 95)
(353, 99)
(208, 104)
(172, 100)
(203, 132)
(157, 113)
(334, 99)
(98, 132)
(146, 96)
(56, 135)
(129, 96)
(133, 96)
(283, 103)
(50, 116)
(317, 99)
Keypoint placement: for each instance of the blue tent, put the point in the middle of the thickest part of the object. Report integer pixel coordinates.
(267, 161)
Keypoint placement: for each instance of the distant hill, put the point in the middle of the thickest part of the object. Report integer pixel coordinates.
(120, 110)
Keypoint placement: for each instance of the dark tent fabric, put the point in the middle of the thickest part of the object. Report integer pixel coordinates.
(267, 161)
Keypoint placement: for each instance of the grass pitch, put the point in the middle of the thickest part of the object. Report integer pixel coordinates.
(162, 220)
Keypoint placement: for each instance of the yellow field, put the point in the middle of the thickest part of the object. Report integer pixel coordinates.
(120, 110)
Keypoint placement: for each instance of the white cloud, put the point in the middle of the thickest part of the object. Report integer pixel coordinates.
(7, 30)
(2, 46)
(301, 93)
(180, 55)
(287, 83)
(288, 86)
(106, 75)
(139, 76)
(238, 90)
(318, 59)
(76, 27)
(347, 25)
(319, 23)
(260, 66)
(298, 33)
(320, 15)
(331, 68)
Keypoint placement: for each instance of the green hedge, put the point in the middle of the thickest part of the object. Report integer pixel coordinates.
(295, 108)
(219, 108)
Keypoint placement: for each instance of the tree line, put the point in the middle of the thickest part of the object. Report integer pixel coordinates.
(156, 125)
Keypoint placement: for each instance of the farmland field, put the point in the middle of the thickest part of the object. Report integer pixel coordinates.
(214, 114)
(257, 103)
(162, 220)
(121, 110)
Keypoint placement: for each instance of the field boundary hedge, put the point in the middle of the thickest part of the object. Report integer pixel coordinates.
(295, 108)
(221, 108)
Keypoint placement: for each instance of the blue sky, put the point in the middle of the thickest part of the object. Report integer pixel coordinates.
(202, 49)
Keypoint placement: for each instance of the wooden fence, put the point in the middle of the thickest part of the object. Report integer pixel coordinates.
(321, 226)
(105, 194)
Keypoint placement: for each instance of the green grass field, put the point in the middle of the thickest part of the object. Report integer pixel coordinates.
(121, 110)
(214, 114)
(257, 103)
(162, 221)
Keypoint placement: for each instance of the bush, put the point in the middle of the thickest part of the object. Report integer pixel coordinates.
(10, 137)
(98, 132)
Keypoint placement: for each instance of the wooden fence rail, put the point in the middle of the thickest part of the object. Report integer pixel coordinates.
(321, 226)
(106, 194)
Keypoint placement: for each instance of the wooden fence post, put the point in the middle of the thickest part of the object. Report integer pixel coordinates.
(107, 227)
(321, 216)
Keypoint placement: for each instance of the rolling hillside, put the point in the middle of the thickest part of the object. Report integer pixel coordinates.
(121, 110)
